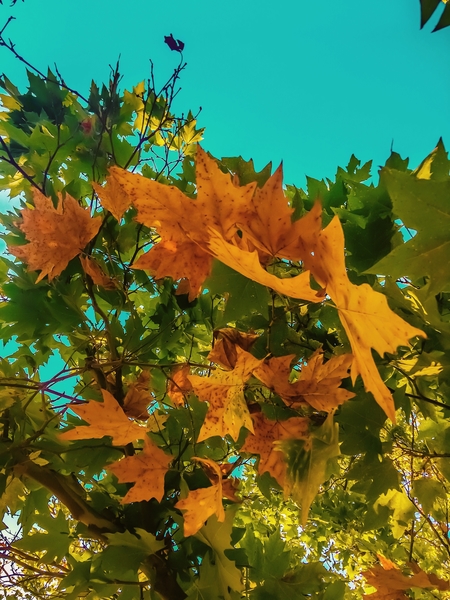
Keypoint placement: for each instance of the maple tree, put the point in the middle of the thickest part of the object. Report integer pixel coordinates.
(248, 394)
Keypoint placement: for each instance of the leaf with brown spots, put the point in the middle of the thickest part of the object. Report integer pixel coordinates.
(55, 235)
(179, 385)
(248, 264)
(224, 392)
(226, 339)
(270, 225)
(178, 260)
(138, 397)
(318, 384)
(181, 221)
(271, 458)
(391, 583)
(104, 418)
(200, 504)
(96, 273)
(365, 313)
(113, 197)
(146, 470)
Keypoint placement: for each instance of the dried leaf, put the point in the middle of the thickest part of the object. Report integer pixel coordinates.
(224, 391)
(146, 469)
(202, 503)
(248, 264)
(179, 385)
(113, 197)
(96, 273)
(138, 397)
(271, 458)
(390, 582)
(178, 260)
(365, 313)
(318, 384)
(270, 226)
(104, 418)
(55, 235)
(226, 339)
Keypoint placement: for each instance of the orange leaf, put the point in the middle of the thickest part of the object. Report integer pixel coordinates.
(318, 384)
(178, 260)
(147, 469)
(226, 339)
(270, 226)
(365, 313)
(202, 503)
(113, 197)
(138, 397)
(95, 272)
(224, 391)
(262, 442)
(104, 418)
(55, 235)
(248, 264)
(390, 582)
(179, 385)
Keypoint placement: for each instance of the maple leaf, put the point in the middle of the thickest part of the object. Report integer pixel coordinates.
(267, 432)
(226, 339)
(270, 225)
(390, 582)
(179, 385)
(181, 221)
(138, 397)
(104, 418)
(202, 503)
(178, 260)
(224, 391)
(364, 313)
(113, 197)
(55, 235)
(96, 273)
(248, 264)
(318, 384)
(146, 469)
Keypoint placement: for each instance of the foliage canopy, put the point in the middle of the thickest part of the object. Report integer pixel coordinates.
(253, 394)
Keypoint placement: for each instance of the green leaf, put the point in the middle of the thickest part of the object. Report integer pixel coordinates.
(425, 255)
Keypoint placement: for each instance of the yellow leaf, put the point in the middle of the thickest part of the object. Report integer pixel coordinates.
(104, 418)
(365, 313)
(146, 470)
(224, 392)
(138, 397)
(202, 503)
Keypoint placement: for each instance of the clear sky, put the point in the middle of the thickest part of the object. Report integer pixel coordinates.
(306, 82)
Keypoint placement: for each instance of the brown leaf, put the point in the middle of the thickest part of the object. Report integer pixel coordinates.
(96, 273)
(224, 391)
(262, 442)
(55, 235)
(104, 418)
(146, 469)
(226, 339)
(390, 582)
(202, 503)
(179, 385)
(138, 397)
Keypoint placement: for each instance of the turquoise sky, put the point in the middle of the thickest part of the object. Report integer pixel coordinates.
(306, 82)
